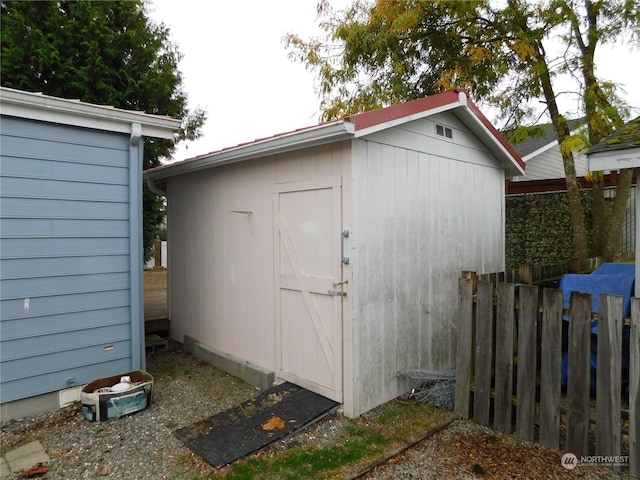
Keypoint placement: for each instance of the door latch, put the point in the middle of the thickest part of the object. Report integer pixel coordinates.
(337, 293)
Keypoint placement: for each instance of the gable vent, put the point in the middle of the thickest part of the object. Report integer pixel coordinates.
(443, 131)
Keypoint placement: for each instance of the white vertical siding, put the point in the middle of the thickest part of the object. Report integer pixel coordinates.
(425, 208)
(221, 249)
(420, 209)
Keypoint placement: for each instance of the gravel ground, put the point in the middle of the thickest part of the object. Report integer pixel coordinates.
(142, 446)
(466, 450)
(138, 446)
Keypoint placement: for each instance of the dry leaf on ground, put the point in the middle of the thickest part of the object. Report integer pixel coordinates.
(273, 423)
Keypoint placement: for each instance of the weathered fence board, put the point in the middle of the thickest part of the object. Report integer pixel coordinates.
(484, 353)
(504, 357)
(465, 345)
(526, 367)
(488, 315)
(634, 390)
(609, 375)
(551, 368)
(578, 374)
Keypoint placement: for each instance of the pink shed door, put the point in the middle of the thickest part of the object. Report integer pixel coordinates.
(308, 221)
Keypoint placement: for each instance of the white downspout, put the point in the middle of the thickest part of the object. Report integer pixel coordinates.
(152, 186)
(135, 236)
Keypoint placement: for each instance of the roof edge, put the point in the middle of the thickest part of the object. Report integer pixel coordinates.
(304, 138)
(501, 140)
(356, 126)
(46, 108)
(368, 122)
(614, 159)
(450, 100)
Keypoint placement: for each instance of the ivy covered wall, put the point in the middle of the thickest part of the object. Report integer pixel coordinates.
(538, 228)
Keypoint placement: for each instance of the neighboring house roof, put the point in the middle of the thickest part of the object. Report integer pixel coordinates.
(356, 126)
(619, 150)
(36, 106)
(533, 146)
(541, 154)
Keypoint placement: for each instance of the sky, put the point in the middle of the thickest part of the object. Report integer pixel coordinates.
(236, 67)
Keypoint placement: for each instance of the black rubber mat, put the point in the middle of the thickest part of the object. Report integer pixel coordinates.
(276, 413)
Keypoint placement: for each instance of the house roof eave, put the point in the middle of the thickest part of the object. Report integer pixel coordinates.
(619, 150)
(36, 106)
(614, 159)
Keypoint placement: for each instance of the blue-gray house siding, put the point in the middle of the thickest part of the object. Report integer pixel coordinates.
(70, 256)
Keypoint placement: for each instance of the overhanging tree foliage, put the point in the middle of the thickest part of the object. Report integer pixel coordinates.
(102, 52)
(509, 55)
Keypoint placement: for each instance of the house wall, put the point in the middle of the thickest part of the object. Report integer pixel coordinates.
(549, 164)
(221, 248)
(70, 234)
(424, 209)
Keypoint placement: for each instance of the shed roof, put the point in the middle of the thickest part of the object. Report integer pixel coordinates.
(619, 150)
(357, 126)
(36, 106)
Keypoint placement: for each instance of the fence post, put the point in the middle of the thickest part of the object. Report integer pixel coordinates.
(157, 253)
(608, 376)
(634, 389)
(504, 358)
(551, 368)
(464, 346)
(526, 273)
(526, 369)
(578, 386)
(483, 353)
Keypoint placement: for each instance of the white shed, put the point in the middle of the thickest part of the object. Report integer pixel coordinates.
(329, 256)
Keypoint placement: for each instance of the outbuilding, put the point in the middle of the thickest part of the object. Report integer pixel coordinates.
(329, 256)
(620, 150)
(71, 306)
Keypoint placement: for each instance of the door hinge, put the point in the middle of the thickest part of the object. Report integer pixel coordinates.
(345, 234)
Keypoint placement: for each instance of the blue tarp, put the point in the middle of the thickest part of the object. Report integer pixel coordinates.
(609, 278)
(597, 283)
(628, 269)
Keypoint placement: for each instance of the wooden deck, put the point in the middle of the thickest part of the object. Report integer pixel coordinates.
(155, 302)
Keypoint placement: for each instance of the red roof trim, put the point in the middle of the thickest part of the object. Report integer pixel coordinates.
(495, 132)
(372, 118)
(450, 97)
(394, 112)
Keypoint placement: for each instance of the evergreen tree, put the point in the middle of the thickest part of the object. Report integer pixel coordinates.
(101, 52)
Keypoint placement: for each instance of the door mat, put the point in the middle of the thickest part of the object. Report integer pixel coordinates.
(276, 413)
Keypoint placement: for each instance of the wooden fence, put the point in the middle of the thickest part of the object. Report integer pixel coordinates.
(509, 365)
